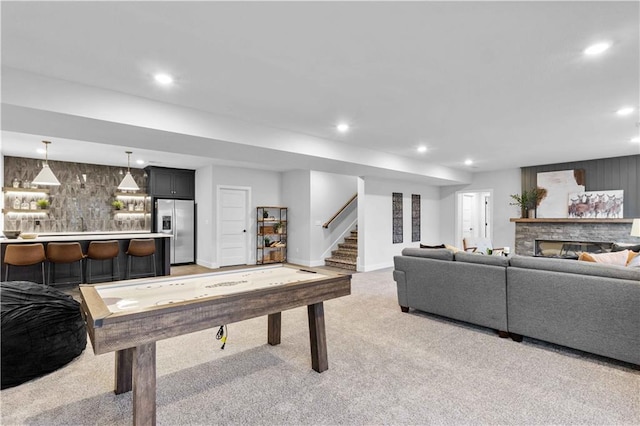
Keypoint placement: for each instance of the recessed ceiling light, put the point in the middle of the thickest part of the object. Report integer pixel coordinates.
(163, 78)
(468, 162)
(422, 149)
(625, 111)
(636, 139)
(342, 127)
(140, 161)
(596, 49)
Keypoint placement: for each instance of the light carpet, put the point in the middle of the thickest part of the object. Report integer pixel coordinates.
(385, 367)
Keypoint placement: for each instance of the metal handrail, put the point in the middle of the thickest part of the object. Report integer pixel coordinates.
(343, 208)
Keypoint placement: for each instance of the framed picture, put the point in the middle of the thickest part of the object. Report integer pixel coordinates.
(596, 205)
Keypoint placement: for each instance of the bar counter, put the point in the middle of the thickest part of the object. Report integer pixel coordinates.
(99, 269)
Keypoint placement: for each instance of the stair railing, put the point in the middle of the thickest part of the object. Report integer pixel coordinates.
(343, 208)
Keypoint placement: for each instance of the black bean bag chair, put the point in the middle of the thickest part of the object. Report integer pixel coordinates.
(42, 330)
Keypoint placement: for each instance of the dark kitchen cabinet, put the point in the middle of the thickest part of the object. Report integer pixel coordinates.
(171, 183)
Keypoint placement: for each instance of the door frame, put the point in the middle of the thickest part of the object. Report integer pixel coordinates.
(458, 213)
(248, 244)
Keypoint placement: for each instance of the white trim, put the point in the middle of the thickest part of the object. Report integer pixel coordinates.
(248, 242)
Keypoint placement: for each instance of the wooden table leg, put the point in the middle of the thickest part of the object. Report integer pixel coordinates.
(144, 385)
(123, 370)
(318, 337)
(274, 327)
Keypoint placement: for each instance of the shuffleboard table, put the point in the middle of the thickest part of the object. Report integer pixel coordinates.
(128, 317)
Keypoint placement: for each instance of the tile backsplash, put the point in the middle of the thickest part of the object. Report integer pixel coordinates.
(82, 202)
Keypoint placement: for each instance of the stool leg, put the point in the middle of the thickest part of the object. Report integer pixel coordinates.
(6, 272)
(117, 272)
(42, 266)
(49, 274)
(128, 273)
(154, 265)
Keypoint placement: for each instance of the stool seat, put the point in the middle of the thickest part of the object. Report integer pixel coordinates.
(141, 248)
(104, 250)
(64, 253)
(24, 255)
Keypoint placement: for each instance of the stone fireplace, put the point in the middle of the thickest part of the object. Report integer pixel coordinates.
(571, 232)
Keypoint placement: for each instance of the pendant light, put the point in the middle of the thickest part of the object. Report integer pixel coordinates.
(128, 184)
(46, 176)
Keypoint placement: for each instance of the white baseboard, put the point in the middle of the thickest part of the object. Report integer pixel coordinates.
(369, 268)
(207, 264)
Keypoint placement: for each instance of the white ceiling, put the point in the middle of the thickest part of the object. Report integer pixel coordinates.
(503, 83)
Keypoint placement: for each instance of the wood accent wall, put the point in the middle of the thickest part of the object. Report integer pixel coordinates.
(601, 175)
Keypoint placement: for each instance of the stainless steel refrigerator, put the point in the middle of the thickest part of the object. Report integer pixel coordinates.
(177, 217)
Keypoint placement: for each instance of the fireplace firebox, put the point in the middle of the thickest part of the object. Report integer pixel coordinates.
(570, 249)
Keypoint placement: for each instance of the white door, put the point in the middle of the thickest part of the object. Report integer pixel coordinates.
(232, 231)
(469, 228)
(474, 215)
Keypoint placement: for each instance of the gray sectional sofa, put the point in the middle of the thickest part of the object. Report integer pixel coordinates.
(581, 305)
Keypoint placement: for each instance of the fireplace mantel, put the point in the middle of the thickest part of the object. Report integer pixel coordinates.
(568, 220)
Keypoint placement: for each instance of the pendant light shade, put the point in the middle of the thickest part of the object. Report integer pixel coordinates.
(46, 176)
(128, 184)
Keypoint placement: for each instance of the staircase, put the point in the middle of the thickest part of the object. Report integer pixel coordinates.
(346, 255)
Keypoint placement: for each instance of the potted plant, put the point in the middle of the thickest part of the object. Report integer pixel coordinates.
(42, 203)
(529, 200)
(117, 204)
(267, 241)
(265, 214)
(278, 227)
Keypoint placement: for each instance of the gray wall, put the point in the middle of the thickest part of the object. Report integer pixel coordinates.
(600, 175)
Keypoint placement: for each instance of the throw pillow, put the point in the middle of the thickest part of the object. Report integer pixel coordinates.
(452, 248)
(634, 262)
(432, 247)
(614, 258)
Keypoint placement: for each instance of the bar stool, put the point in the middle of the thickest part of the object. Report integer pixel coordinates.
(24, 255)
(141, 248)
(64, 253)
(104, 250)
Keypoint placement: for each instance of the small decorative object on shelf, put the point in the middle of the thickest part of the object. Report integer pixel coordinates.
(117, 204)
(15, 183)
(42, 203)
(271, 232)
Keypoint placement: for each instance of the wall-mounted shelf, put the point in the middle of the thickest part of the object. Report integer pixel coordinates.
(130, 195)
(130, 212)
(29, 190)
(38, 211)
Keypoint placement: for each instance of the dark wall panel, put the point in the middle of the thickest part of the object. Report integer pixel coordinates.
(606, 174)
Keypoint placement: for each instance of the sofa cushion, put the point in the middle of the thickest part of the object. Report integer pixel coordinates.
(440, 254)
(482, 259)
(573, 267)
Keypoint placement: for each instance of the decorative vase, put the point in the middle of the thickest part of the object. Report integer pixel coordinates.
(532, 213)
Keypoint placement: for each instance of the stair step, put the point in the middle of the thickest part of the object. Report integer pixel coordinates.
(353, 256)
(351, 240)
(354, 234)
(348, 246)
(346, 251)
(340, 263)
